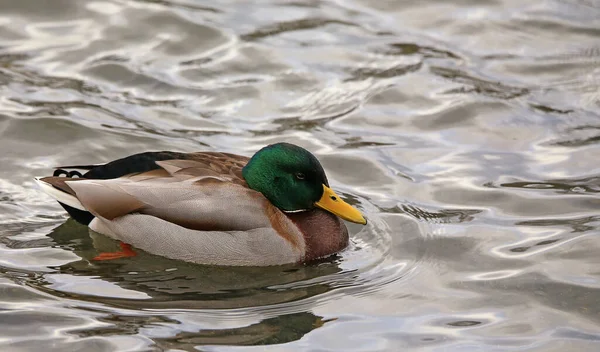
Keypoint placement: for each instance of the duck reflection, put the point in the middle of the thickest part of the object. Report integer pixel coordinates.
(278, 330)
(176, 284)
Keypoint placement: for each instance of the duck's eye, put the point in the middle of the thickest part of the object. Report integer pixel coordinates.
(300, 176)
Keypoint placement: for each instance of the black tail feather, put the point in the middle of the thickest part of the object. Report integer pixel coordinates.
(82, 217)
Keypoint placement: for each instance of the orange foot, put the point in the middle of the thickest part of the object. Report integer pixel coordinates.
(126, 252)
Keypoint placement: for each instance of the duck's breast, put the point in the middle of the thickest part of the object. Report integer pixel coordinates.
(324, 233)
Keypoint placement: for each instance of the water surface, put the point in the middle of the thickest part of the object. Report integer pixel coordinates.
(467, 131)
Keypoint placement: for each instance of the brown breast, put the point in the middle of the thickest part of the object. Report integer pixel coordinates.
(324, 233)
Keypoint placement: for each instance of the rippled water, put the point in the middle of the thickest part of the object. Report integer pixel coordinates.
(467, 131)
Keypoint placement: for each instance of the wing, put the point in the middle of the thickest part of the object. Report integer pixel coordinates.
(225, 163)
(203, 192)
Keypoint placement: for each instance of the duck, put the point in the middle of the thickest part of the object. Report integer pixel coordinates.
(209, 207)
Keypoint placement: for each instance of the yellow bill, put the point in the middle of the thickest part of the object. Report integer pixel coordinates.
(334, 204)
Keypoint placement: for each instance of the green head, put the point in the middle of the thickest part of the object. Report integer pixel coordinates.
(289, 176)
(292, 179)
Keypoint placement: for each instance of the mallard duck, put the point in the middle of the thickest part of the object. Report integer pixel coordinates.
(208, 207)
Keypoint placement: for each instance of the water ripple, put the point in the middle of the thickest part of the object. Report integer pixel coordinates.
(467, 131)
